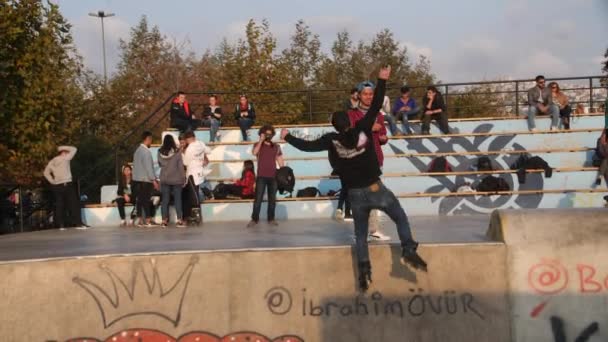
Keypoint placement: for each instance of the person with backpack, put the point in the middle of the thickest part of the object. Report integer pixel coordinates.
(172, 179)
(243, 187)
(360, 171)
(269, 155)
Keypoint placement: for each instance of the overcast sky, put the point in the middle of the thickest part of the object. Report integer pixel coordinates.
(466, 40)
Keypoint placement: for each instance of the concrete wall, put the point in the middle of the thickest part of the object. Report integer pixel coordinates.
(558, 273)
(280, 295)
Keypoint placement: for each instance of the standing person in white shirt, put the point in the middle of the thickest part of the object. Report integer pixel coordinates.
(195, 161)
(144, 180)
(59, 174)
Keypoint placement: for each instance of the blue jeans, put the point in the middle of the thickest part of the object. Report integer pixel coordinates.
(376, 196)
(405, 116)
(166, 191)
(553, 111)
(245, 124)
(392, 124)
(214, 125)
(261, 183)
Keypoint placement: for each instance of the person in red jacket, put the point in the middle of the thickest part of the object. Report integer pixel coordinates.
(244, 187)
(379, 136)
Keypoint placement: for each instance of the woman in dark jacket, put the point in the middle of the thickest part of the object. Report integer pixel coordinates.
(244, 113)
(172, 179)
(433, 107)
(126, 194)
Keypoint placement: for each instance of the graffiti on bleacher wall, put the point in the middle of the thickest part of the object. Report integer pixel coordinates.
(475, 204)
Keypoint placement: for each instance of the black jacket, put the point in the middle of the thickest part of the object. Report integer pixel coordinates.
(217, 113)
(437, 103)
(251, 111)
(357, 167)
(180, 112)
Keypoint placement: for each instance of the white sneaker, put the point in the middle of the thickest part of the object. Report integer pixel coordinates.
(377, 236)
(533, 130)
(123, 223)
(553, 128)
(348, 218)
(339, 215)
(83, 227)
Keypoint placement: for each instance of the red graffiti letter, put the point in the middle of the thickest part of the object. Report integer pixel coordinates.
(588, 284)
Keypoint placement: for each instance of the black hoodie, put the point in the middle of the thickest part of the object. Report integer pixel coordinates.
(355, 155)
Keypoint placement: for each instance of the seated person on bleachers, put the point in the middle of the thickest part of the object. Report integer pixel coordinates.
(389, 118)
(244, 113)
(540, 101)
(434, 108)
(601, 157)
(125, 194)
(181, 117)
(560, 99)
(404, 108)
(212, 118)
(353, 101)
(244, 187)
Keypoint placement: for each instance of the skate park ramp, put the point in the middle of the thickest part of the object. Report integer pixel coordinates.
(540, 277)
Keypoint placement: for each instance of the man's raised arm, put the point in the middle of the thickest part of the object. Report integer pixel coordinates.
(321, 144)
(370, 117)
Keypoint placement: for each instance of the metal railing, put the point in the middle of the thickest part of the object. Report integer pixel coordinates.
(504, 97)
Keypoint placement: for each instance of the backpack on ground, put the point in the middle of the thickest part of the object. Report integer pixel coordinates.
(484, 164)
(310, 191)
(440, 164)
(285, 180)
(493, 184)
(220, 192)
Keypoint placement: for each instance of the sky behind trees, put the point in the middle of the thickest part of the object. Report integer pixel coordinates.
(466, 40)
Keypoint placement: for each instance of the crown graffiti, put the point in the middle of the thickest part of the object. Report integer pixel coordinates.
(143, 295)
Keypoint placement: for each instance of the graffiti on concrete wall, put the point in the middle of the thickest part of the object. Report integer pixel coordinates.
(150, 335)
(280, 301)
(122, 301)
(474, 204)
(549, 277)
(144, 294)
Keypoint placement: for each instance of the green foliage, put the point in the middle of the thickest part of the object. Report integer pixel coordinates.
(477, 101)
(39, 95)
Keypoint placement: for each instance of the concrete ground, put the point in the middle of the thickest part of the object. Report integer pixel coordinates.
(225, 236)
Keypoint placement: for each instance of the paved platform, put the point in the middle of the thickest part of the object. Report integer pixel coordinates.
(225, 236)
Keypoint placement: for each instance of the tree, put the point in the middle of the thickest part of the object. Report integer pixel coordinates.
(39, 94)
(303, 56)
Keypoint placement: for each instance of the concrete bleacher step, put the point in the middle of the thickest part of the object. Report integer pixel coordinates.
(470, 142)
(415, 204)
(442, 183)
(497, 124)
(419, 162)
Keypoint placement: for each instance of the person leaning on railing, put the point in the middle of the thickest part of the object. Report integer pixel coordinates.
(244, 113)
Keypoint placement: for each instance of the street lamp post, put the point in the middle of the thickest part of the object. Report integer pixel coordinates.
(101, 15)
